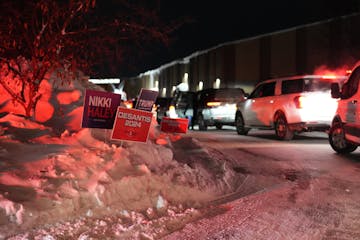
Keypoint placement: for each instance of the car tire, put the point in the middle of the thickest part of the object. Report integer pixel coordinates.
(282, 130)
(240, 125)
(218, 126)
(337, 140)
(201, 123)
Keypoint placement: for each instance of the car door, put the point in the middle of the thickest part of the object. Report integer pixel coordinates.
(349, 106)
(356, 103)
(246, 107)
(259, 106)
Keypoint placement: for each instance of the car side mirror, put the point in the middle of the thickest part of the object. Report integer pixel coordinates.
(335, 90)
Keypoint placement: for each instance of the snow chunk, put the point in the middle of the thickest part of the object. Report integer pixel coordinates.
(161, 203)
(15, 215)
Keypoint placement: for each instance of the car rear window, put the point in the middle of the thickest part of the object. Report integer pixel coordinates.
(163, 101)
(305, 85)
(226, 94)
(185, 98)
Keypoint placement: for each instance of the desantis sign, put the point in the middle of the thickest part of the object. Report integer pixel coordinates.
(131, 125)
(100, 109)
(174, 125)
(146, 100)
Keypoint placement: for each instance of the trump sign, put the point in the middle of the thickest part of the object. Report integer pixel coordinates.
(146, 100)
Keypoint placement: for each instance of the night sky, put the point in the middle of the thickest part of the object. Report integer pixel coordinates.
(216, 22)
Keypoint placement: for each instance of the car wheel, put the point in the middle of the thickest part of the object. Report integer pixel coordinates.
(337, 140)
(202, 124)
(240, 125)
(218, 126)
(282, 130)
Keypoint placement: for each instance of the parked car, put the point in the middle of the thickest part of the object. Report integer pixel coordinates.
(289, 105)
(217, 107)
(344, 134)
(181, 105)
(161, 107)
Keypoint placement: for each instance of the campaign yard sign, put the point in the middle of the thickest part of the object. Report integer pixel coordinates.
(131, 125)
(100, 109)
(174, 125)
(146, 100)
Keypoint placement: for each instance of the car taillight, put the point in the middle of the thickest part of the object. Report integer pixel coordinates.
(171, 108)
(213, 104)
(299, 101)
(128, 104)
(328, 77)
(172, 112)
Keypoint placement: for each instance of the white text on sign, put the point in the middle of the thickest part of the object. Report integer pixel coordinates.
(133, 120)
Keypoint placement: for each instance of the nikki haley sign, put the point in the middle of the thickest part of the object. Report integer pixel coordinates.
(100, 109)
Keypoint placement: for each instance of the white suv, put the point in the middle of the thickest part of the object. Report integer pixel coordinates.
(344, 134)
(289, 105)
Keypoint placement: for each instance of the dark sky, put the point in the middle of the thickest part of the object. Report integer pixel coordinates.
(215, 22)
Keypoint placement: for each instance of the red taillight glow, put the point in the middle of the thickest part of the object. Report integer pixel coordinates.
(325, 71)
(329, 77)
(299, 101)
(128, 104)
(172, 108)
(213, 104)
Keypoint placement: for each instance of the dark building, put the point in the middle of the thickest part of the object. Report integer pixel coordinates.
(332, 44)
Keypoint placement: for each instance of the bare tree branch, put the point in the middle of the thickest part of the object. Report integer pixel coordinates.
(38, 37)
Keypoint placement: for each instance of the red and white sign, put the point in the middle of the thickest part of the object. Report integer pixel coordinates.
(174, 125)
(146, 100)
(131, 125)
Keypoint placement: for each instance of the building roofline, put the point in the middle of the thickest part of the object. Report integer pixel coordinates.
(186, 59)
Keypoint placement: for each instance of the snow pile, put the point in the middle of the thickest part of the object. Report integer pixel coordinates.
(57, 176)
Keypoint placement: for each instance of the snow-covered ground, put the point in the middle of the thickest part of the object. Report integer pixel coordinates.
(61, 181)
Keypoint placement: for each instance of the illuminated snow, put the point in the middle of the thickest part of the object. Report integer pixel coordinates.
(53, 171)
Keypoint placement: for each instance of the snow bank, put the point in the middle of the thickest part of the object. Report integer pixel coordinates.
(53, 171)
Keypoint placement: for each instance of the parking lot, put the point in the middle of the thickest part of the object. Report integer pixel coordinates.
(299, 188)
